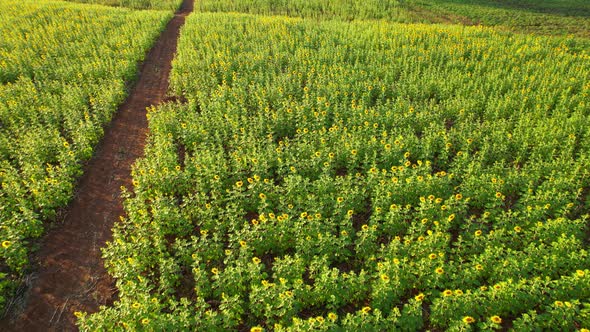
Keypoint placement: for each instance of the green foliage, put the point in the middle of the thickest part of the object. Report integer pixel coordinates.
(359, 176)
(63, 72)
(562, 7)
(137, 4)
(549, 17)
(317, 9)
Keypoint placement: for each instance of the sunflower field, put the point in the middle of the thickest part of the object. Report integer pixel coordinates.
(137, 4)
(395, 10)
(359, 176)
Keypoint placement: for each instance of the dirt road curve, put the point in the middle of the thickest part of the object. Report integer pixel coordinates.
(69, 274)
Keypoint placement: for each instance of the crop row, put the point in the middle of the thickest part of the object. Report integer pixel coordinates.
(63, 72)
(359, 176)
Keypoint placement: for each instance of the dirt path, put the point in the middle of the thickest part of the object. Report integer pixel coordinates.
(70, 273)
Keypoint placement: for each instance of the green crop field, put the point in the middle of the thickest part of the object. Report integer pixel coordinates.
(320, 165)
(359, 176)
(137, 4)
(551, 17)
(63, 72)
(315, 9)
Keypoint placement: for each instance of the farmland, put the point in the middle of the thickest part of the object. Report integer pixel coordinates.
(359, 175)
(137, 4)
(64, 69)
(551, 17)
(315, 9)
(319, 165)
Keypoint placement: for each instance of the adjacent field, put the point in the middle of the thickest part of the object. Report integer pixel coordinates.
(63, 72)
(551, 17)
(548, 17)
(137, 4)
(359, 176)
(318, 9)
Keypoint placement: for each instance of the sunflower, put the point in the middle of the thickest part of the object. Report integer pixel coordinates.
(468, 319)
